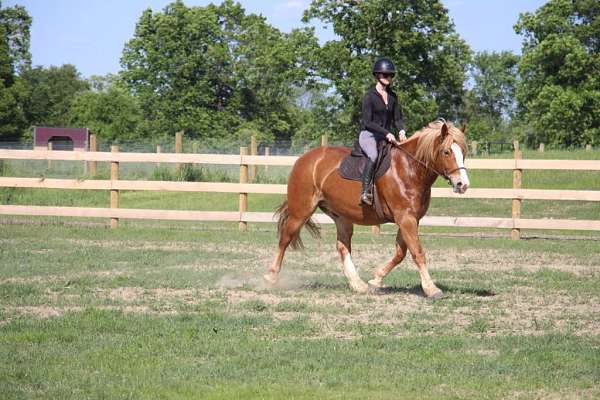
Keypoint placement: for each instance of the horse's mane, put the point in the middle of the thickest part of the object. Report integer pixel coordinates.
(428, 140)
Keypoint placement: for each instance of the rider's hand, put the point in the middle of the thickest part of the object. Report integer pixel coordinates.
(390, 137)
(402, 135)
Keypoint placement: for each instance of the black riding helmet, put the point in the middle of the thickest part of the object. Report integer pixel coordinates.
(384, 66)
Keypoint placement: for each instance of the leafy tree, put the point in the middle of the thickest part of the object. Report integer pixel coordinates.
(51, 92)
(495, 77)
(108, 110)
(14, 56)
(490, 103)
(270, 69)
(559, 93)
(17, 23)
(214, 71)
(417, 35)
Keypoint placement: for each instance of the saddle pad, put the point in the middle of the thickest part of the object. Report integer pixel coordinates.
(353, 165)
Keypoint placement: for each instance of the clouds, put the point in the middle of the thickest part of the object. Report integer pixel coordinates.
(294, 5)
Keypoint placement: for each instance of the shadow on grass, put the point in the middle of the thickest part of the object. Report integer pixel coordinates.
(416, 290)
(325, 286)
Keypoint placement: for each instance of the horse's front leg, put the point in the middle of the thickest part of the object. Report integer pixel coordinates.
(409, 229)
(383, 271)
(344, 246)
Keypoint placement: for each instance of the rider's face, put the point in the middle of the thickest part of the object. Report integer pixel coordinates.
(385, 78)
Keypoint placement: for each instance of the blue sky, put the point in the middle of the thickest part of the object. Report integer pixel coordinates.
(90, 34)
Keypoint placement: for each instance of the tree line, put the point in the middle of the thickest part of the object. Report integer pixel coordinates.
(222, 74)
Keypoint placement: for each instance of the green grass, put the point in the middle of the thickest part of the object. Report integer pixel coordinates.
(179, 311)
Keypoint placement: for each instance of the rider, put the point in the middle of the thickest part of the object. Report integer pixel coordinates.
(379, 108)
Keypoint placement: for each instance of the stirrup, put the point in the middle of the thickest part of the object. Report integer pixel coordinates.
(366, 199)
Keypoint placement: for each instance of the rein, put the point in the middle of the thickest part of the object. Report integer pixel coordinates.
(443, 175)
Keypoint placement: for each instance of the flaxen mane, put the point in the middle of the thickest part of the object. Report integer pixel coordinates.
(427, 137)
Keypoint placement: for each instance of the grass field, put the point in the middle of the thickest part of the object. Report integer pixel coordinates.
(168, 310)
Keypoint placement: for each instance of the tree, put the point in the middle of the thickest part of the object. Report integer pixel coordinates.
(559, 93)
(212, 70)
(14, 56)
(418, 36)
(51, 92)
(490, 104)
(17, 23)
(108, 110)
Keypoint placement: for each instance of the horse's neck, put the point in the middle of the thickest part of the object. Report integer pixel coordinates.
(426, 176)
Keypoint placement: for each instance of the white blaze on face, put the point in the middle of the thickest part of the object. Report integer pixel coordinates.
(458, 155)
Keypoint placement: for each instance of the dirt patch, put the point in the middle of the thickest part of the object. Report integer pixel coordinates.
(126, 293)
(287, 281)
(43, 312)
(151, 296)
(572, 394)
(66, 278)
(135, 244)
(522, 311)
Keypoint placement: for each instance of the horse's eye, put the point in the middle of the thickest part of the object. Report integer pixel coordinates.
(446, 152)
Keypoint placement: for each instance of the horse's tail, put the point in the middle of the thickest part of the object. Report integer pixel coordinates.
(283, 214)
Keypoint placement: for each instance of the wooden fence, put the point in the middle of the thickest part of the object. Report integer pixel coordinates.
(243, 188)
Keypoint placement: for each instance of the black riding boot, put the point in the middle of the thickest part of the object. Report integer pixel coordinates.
(367, 177)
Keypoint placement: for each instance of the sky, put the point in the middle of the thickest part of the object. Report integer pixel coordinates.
(91, 34)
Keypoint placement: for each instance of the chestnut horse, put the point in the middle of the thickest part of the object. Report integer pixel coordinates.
(405, 190)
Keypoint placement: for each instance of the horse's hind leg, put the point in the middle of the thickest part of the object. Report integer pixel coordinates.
(289, 232)
(344, 247)
(383, 271)
(294, 213)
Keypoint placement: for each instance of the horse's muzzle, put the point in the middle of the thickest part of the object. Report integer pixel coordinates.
(460, 187)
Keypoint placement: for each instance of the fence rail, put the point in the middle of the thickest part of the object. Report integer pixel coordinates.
(229, 159)
(265, 188)
(517, 165)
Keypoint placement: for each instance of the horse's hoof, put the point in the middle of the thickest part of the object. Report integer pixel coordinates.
(270, 280)
(361, 288)
(374, 289)
(436, 295)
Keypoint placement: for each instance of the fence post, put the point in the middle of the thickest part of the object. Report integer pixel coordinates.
(542, 146)
(376, 229)
(158, 151)
(49, 149)
(324, 141)
(243, 196)
(178, 147)
(267, 154)
(588, 147)
(253, 152)
(114, 193)
(306, 148)
(474, 147)
(515, 233)
(94, 148)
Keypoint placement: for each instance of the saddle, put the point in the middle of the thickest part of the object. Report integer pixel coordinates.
(352, 167)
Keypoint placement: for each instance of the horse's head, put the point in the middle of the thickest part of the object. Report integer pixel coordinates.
(450, 160)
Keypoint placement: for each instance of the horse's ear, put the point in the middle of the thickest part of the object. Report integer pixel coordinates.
(463, 128)
(444, 132)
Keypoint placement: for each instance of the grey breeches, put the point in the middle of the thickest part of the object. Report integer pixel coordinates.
(368, 143)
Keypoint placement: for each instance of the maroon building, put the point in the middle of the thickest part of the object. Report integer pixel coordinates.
(61, 138)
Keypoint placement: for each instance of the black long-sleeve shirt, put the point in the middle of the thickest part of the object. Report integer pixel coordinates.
(376, 117)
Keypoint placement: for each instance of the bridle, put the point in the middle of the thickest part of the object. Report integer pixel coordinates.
(444, 175)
